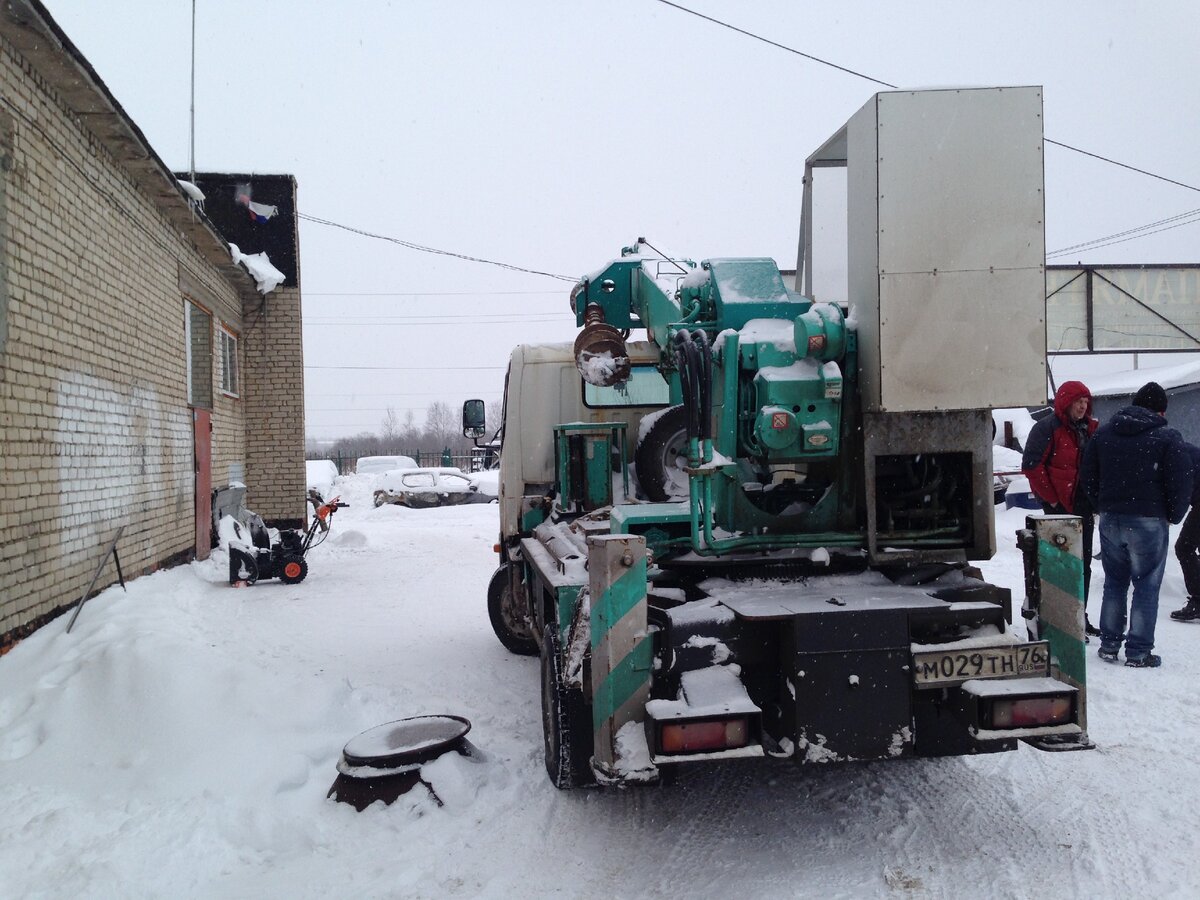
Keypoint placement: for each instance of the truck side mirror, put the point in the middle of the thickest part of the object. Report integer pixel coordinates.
(474, 419)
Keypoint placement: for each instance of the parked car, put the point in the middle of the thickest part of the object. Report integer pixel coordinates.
(320, 474)
(423, 488)
(372, 465)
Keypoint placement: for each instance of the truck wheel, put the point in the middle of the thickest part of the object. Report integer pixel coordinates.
(508, 617)
(293, 569)
(661, 456)
(566, 722)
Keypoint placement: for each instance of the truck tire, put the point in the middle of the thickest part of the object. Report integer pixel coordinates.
(509, 620)
(661, 455)
(566, 722)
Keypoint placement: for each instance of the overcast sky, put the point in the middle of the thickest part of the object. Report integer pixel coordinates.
(547, 135)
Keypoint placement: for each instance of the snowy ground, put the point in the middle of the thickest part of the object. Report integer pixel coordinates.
(181, 740)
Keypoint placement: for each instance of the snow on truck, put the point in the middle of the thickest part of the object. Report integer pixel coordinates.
(752, 532)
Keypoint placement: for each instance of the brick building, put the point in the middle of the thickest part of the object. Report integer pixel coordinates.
(140, 368)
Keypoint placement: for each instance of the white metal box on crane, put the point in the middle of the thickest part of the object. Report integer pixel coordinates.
(946, 247)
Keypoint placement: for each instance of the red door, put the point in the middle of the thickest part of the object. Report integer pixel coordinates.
(202, 426)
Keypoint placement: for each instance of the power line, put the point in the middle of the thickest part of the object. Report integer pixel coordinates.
(1190, 216)
(759, 37)
(826, 62)
(410, 245)
(1097, 246)
(1190, 187)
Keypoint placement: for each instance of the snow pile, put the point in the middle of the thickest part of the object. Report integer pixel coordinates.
(181, 740)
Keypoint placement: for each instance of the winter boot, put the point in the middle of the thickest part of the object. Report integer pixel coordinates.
(1088, 628)
(1108, 655)
(1190, 611)
(1149, 661)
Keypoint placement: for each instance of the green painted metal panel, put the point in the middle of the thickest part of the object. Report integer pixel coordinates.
(1063, 570)
(623, 595)
(1068, 651)
(532, 518)
(625, 518)
(567, 596)
(629, 675)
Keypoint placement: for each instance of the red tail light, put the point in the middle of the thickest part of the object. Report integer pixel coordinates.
(695, 737)
(1030, 712)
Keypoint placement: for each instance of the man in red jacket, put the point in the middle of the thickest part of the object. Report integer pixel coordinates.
(1053, 452)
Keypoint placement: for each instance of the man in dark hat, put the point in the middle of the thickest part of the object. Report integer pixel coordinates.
(1138, 474)
(1051, 460)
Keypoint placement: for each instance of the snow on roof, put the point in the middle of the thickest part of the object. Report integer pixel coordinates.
(1116, 384)
(259, 266)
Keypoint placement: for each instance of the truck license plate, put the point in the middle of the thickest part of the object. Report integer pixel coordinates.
(936, 668)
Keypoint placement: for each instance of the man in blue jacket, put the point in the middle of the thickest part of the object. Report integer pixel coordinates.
(1138, 474)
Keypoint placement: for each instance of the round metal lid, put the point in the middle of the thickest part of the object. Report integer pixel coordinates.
(406, 741)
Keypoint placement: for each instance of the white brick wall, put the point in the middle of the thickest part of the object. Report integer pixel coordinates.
(95, 429)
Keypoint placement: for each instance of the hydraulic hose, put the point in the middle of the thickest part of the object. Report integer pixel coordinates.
(686, 361)
(704, 349)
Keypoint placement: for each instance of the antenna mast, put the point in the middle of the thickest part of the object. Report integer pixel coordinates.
(192, 128)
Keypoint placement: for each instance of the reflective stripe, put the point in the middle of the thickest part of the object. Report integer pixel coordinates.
(1063, 570)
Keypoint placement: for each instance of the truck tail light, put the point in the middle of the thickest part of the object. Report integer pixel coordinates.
(695, 737)
(1030, 712)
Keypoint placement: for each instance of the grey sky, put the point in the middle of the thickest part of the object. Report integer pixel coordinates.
(549, 134)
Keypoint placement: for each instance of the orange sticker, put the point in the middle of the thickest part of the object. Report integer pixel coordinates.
(779, 421)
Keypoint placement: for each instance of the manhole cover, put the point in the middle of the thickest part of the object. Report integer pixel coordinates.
(385, 761)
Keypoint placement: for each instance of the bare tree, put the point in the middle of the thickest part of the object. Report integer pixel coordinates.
(410, 435)
(441, 425)
(495, 416)
(391, 426)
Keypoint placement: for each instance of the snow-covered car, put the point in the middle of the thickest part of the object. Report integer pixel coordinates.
(320, 474)
(423, 488)
(488, 482)
(372, 465)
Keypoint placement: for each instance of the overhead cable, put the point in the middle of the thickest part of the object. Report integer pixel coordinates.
(410, 245)
(1184, 218)
(870, 78)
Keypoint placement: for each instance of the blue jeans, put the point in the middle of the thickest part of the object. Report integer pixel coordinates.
(1133, 549)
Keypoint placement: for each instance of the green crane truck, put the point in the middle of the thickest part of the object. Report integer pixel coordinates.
(751, 533)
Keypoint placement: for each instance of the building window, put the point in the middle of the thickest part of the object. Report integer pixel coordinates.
(229, 362)
(198, 334)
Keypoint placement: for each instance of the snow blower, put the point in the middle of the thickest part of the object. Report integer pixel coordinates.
(282, 558)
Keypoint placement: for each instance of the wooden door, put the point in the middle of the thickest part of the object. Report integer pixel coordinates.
(202, 427)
